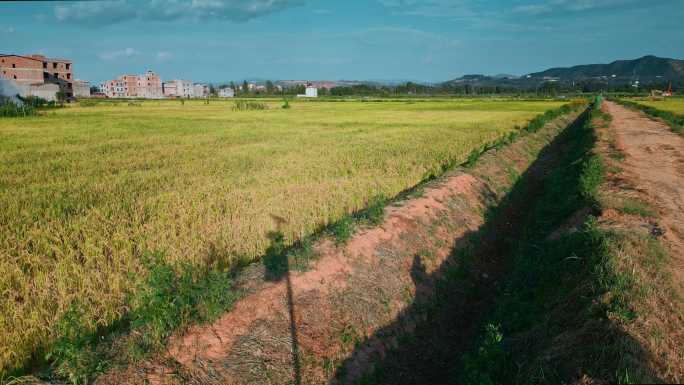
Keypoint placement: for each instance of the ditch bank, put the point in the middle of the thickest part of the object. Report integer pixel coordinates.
(360, 300)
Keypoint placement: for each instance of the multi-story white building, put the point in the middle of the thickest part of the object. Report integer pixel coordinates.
(179, 89)
(227, 92)
(113, 88)
(311, 92)
(201, 90)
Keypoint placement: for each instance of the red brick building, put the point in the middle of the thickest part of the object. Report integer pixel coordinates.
(37, 69)
(21, 69)
(130, 85)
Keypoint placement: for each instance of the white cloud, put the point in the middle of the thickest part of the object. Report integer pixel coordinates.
(432, 8)
(563, 6)
(164, 55)
(118, 54)
(115, 11)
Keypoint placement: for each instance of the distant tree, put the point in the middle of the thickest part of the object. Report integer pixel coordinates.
(245, 87)
(94, 89)
(212, 90)
(269, 86)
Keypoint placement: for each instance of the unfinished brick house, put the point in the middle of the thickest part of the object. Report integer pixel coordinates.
(130, 85)
(32, 71)
(21, 69)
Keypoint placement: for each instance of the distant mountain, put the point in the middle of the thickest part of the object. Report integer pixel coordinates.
(649, 71)
(647, 68)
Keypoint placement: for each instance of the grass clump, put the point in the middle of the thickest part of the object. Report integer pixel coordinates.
(247, 105)
(343, 229)
(636, 207)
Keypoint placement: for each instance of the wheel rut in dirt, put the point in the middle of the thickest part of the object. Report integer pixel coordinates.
(332, 322)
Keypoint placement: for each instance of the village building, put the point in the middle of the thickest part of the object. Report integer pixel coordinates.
(150, 86)
(81, 88)
(170, 89)
(147, 85)
(201, 90)
(226, 92)
(113, 88)
(36, 75)
(21, 69)
(185, 88)
(310, 92)
(130, 85)
(179, 89)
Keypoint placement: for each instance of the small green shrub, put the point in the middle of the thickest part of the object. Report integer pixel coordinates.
(375, 212)
(10, 109)
(167, 300)
(246, 105)
(343, 230)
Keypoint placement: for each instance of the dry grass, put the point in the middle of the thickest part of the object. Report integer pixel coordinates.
(85, 191)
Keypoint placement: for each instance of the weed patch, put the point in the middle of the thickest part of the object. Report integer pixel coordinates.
(247, 105)
(167, 300)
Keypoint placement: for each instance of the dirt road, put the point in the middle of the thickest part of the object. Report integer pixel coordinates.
(654, 163)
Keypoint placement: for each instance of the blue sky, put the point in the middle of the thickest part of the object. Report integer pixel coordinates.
(425, 40)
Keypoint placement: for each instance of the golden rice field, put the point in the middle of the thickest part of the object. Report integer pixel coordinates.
(85, 191)
(674, 105)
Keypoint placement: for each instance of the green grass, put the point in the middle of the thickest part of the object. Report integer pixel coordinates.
(635, 207)
(87, 192)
